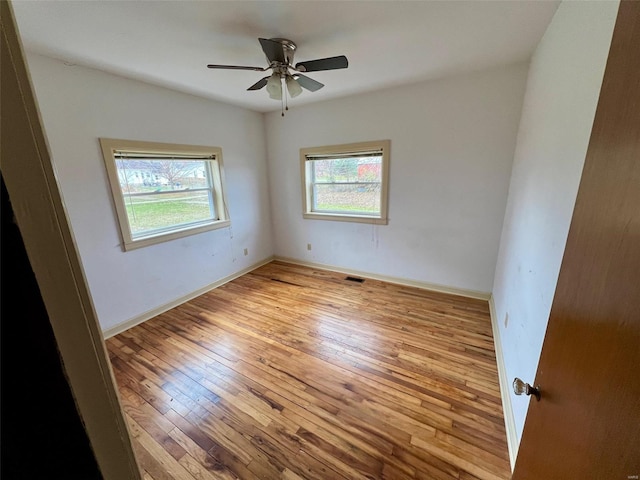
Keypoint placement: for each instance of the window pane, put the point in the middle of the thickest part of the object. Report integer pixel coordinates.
(157, 197)
(351, 198)
(365, 169)
(153, 211)
(138, 175)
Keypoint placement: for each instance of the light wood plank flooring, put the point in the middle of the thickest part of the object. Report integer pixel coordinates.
(291, 372)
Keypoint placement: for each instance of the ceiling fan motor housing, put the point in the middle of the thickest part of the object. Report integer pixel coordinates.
(288, 49)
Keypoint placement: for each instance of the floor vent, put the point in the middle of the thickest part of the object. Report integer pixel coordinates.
(355, 279)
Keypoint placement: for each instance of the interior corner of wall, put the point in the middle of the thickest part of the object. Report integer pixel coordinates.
(507, 408)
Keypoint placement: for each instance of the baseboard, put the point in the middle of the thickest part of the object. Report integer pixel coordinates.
(121, 327)
(505, 388)
(384, 278)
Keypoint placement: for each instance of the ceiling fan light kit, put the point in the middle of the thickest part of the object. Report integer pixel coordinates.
(280, 53)
(274, 87)
(293, 86)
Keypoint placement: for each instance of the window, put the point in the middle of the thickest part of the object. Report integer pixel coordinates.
(164, 191)
(346, 182)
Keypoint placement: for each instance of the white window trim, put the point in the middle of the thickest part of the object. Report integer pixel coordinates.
(109, 148)
(305, 169)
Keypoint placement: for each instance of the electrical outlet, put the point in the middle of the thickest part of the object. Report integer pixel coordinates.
(246, 251)
(308, 246)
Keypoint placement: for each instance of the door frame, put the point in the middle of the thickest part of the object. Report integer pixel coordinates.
(40, 214)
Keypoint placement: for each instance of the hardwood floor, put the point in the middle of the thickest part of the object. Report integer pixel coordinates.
(296, 373)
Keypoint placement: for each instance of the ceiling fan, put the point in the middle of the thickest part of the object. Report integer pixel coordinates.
(279, 53)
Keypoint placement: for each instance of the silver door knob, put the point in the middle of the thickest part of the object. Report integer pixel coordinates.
(520, 387)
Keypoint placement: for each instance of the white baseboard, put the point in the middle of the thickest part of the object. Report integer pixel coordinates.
(126, 325)
(385, 278)
(505, 388)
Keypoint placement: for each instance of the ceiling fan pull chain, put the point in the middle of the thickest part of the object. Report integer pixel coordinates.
(283, 97)
(286, 99)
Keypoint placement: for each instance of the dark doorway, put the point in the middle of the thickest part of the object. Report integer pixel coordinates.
(42, 435)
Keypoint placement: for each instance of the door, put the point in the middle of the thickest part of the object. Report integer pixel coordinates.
(587, 423)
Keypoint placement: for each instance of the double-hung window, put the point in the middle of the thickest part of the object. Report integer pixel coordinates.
(346, 182)
(164, 191)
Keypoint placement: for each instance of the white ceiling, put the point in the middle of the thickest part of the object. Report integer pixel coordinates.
(388, 43)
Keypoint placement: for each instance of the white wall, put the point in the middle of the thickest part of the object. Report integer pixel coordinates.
(559, 107)
(78, 105)
(452, 144)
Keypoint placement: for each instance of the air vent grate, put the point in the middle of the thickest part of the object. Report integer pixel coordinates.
(355, 279)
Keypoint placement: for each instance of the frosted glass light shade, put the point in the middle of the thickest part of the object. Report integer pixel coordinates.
(294, 87)
(274, 87)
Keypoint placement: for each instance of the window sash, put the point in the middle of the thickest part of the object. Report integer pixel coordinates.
(346, 183)
(350, 209)
(315, 196)
(169, 192)
(168, 223)
(140, 232)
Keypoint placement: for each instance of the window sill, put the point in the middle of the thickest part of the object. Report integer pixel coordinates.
(346, 218)
(165, 237)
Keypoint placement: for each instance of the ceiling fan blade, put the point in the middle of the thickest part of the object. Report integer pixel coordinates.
(259, 84)
(308, 83)
(273, 50)
(237, 67)
(331, 63)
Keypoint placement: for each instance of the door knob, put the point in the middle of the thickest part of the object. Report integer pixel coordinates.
(520, 387)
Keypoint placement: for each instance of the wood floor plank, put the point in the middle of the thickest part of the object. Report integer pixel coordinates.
(291, 372)
(201, 457)
(159, 461)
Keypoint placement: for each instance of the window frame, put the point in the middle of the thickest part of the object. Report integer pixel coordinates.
(345, 149)
(111, 146)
